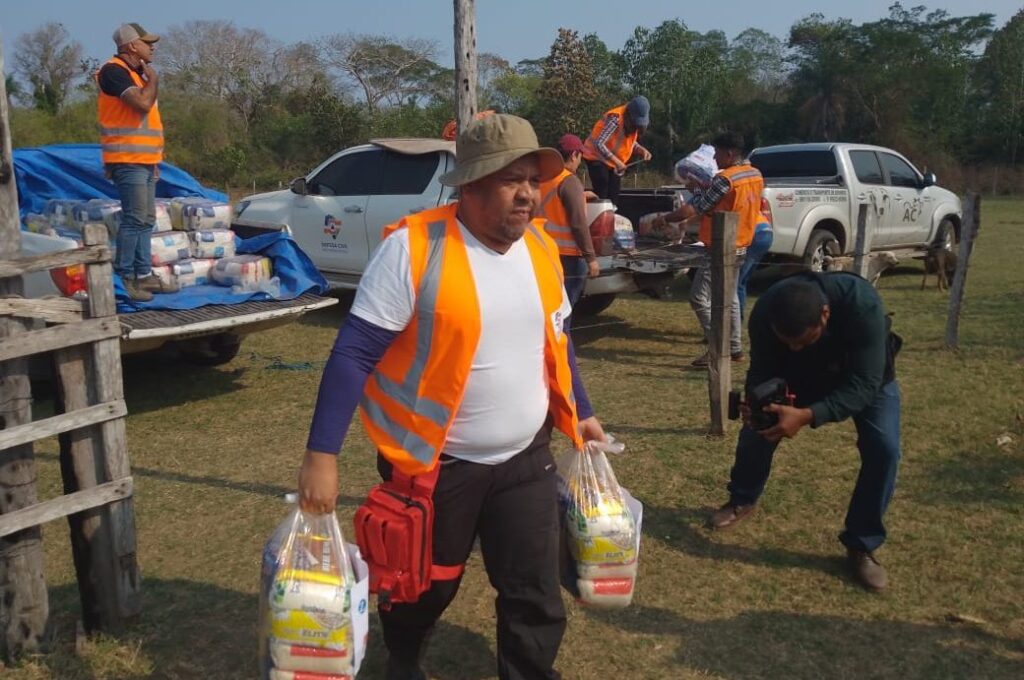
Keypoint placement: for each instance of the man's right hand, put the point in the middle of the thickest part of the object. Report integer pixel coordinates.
(620, 168)
(593, 269)
(318, 482)
(149, 72)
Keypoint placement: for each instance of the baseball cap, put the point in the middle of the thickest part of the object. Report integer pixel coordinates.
(639, 110)
(569, 144)
(126, 33)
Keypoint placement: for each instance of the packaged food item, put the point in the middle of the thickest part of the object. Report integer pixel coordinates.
(184, 273)
(58, 211)
(212, 243)
(241, 270)
(191, 214)
(168, 247)
(163, 215)
(601, 522)
(313, 601)
(37, 223)
(698, 166)
(672, 231)
(104, 211)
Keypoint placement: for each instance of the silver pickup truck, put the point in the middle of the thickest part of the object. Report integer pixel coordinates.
(813, 193)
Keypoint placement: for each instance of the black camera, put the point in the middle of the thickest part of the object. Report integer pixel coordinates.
(774, 391)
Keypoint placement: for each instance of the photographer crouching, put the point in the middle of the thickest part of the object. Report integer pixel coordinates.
(828, 339)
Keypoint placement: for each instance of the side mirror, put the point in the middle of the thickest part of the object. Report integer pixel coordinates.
(298, 186)
(929, 179)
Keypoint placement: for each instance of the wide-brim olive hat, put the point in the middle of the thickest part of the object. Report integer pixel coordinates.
(495, 142)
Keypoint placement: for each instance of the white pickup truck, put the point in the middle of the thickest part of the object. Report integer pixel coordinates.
(337, 212)
(813, 192)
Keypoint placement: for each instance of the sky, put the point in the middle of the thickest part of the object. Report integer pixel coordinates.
(516, 29)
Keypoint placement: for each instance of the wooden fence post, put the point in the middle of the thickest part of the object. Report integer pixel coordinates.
(862, 243)
(24, 606)
(723, 289)
(465, 63)
(968, 232)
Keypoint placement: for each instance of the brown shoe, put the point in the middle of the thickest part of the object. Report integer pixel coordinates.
(153, 284)
(136, 292)
(867, 569)
(700, 361)
(738, 356)
(730, 514)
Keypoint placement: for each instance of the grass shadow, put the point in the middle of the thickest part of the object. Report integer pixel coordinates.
(776, 644)
(688, 532)
(330, 317)
(156, 380)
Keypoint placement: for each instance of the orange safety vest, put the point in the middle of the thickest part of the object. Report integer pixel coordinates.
(449, 131)
(126, 135)
(620, 144)
(413, 394)
(553, 210)
(744, 198)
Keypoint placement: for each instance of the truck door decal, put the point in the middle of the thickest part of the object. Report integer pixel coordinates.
(332, 227)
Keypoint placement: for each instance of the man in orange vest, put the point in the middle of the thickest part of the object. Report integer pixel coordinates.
(449, 131)
(456, 351)
(563, 203)
(736, 188)
(132, 145)
(611, 144)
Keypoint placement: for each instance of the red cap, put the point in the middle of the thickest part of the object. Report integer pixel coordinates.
(570, 144)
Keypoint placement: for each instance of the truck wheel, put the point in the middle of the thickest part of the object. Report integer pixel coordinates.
(946, 235)
(212, 351)
(592, 305)
(821, 244)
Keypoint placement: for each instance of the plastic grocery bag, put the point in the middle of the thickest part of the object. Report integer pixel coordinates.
(699, 166)
(601, 529)
(314, 596)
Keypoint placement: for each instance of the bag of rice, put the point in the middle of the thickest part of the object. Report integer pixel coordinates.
(190, 214)
(698, 166)
(101, 210)
(163, 215)
(169, 247)
(37, 223)
(313, 601)
(58, 211)
(241, 270)
(212, 243)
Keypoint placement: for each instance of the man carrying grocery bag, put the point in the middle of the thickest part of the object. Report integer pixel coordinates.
(456, 352)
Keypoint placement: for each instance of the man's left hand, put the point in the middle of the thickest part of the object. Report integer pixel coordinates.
(591, 430)
(645, 154)
(791, 420)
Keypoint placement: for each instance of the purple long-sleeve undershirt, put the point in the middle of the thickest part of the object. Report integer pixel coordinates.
(359, 347)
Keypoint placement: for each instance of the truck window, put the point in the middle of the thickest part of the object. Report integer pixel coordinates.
(900, 172)
(406, 175)
(865, 165)
(354, 174)
(817, 163)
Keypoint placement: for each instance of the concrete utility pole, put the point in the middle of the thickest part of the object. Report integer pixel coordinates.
(23, 601)
(465, 62)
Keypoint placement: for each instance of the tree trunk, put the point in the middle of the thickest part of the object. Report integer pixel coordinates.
(23, 600)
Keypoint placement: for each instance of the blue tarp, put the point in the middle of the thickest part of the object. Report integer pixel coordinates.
(76, 171)
(293, 267)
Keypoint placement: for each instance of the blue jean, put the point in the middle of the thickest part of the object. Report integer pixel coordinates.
(137, 186)
(878, 440)
(575, 269)
(757, 249)
(700, 301)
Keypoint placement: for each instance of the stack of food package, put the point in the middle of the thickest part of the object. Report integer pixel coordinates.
(312, 602)
(602, 529)
(200, 248)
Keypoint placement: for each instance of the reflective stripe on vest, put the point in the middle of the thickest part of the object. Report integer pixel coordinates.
(620, 144)
(553, 210)
(126, 134)
(744, 198)
(416, 389)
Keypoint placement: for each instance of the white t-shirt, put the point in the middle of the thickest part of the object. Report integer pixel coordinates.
(506, 397)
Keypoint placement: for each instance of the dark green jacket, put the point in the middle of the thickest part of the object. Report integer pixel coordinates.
(838, 376)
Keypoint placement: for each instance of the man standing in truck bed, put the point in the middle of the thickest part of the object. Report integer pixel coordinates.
(611, 144)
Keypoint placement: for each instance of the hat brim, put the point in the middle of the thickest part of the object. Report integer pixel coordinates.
(149, 38)
(549, 160)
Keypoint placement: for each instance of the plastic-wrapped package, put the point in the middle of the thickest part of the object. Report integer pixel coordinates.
(672, 232)
(212, 243)
(101, 210)
(698, 166)
(601, 528)
(169, 247)
(37, 223)
(313, 601)
(58, 211)
(191, 214)
(241, 270)
(163, 215)
(184, 273)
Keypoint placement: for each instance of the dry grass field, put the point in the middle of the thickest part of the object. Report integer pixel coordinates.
(213, 451)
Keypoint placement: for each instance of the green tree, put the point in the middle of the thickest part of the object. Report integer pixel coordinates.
(1001, 88)
(567, 94)
(50, 62)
